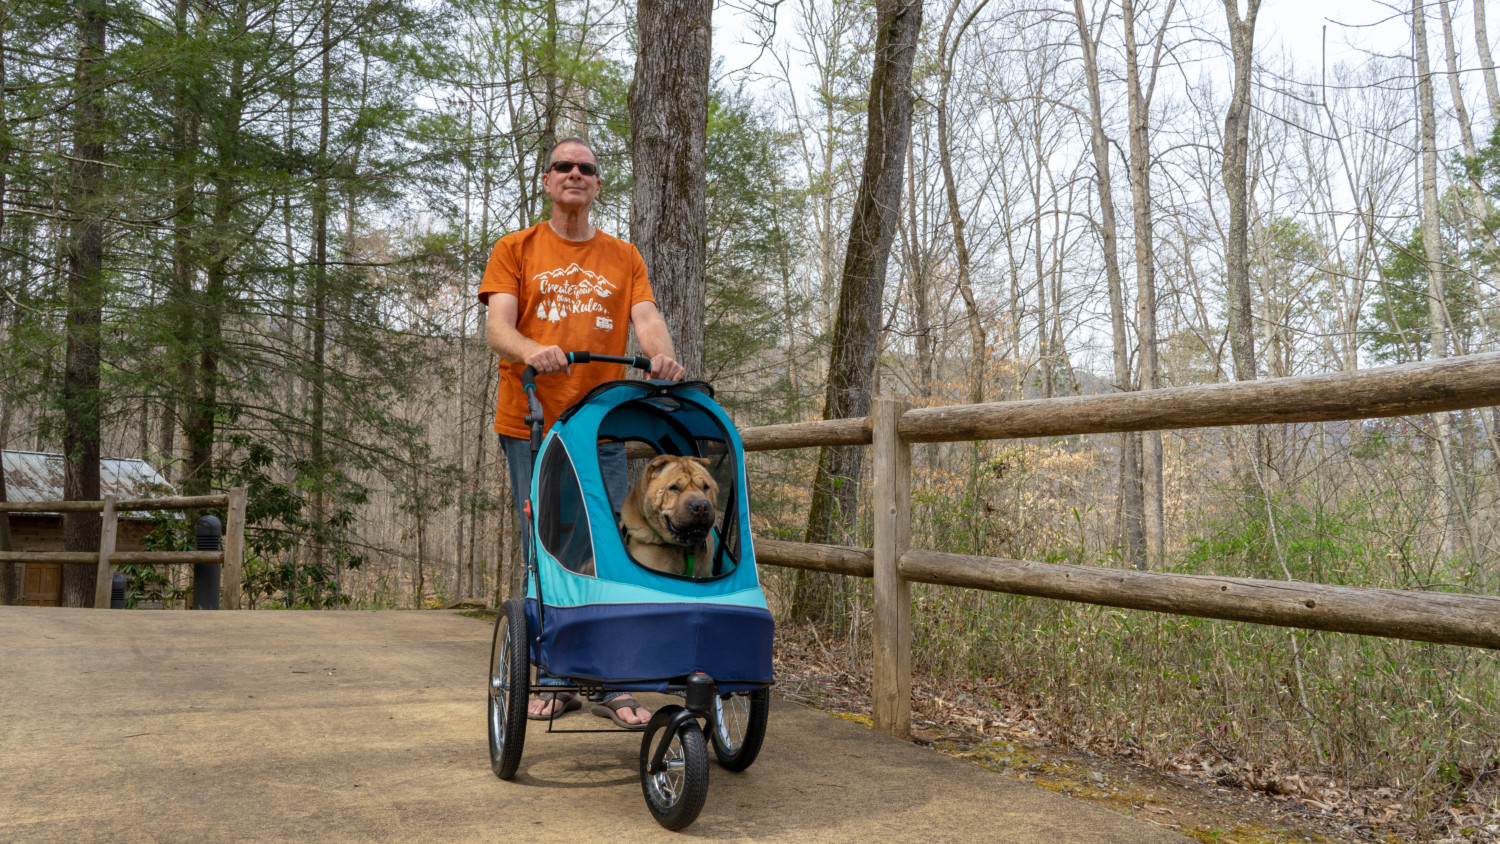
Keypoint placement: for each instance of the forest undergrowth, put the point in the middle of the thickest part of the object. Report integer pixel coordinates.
(1405, 735)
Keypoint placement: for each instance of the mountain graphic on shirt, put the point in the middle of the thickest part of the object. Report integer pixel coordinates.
(576, 281)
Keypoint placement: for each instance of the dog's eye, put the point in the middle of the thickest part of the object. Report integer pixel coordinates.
(674, 488)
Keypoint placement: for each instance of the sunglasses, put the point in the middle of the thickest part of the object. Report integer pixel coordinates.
(584, 167)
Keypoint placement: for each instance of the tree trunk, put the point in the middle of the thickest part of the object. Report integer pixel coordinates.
(10, 573)
(1145, 266)
(317, 413)
(182, 301)
(1479, 207)
(200, 424)
(1460, 110)
(1131, 503)
(1043, 347)
(921, 295)
(978, 343)
(1237, 189)
(1486, 62)
(668, 132)
(1436, 271)
(418, 509)
(851, 364)
(85, 303)
(550, 104)
(463, 503)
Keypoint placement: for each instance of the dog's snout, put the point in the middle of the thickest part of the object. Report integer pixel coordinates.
(699, 507)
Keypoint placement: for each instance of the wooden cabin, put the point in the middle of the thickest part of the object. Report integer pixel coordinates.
(38, 476)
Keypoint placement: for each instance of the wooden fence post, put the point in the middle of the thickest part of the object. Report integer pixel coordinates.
(891, 507)
(234, 549)
(104, 580)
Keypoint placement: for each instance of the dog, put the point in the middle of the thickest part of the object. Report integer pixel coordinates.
(669, 515)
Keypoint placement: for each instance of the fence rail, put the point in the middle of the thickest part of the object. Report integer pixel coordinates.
(1406, 390)
(892, 427)
(231, 554)
(119, 558)
(186, 502)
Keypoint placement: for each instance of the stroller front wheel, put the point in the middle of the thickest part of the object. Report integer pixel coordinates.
(676, 791)
(510, 673)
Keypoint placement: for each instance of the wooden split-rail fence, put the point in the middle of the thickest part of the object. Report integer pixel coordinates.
(231, 553)
(892, 427)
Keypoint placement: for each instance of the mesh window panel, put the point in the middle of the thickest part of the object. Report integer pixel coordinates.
(721, 464)
(562, 521)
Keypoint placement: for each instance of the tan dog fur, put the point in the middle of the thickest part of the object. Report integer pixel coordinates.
(665, 496)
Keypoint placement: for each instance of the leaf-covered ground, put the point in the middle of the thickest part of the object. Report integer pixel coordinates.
(1204, 796)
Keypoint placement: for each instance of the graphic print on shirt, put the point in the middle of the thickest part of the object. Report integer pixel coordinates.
(572, 290)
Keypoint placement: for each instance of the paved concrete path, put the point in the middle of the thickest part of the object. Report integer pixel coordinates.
(370, 726)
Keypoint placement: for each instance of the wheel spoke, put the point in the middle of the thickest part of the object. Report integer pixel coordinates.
(732, 716)
(669, 780)
(500, 687)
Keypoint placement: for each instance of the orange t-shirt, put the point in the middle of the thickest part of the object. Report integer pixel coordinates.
(576, 295)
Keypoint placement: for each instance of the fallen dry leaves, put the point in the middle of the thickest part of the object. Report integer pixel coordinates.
(1203, 795)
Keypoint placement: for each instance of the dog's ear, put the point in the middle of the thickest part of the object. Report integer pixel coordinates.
(655, 466)
(703, 460)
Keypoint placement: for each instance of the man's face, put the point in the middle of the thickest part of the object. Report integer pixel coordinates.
(572, 189)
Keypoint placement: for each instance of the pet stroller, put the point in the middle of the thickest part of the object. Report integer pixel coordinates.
(599, 621)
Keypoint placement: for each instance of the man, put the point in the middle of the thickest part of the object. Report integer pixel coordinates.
(561, 286)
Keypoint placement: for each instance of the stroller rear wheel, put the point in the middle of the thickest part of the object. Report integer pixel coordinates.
(740, 727)
(510, 672)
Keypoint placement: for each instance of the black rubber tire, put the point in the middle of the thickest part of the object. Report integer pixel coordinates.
(510, 674)
(737, 756)
(677, 806)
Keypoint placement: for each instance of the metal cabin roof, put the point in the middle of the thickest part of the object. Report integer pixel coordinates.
(38, 476)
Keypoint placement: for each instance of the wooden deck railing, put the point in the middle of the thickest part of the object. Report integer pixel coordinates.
(1428, 387)
(231, 553)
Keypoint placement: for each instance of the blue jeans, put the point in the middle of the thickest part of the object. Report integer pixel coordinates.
(518, 460)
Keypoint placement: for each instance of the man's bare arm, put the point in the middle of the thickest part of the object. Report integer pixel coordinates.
(510, 344)
(656, 341)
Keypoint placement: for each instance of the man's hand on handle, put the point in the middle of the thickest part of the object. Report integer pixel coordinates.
(664, 368)
(549, 359)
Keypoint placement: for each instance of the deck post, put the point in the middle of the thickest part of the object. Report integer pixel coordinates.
(891, 510)
(104, 580)
(234, 548)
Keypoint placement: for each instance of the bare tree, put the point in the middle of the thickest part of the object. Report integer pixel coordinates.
(1479, 205)
(1433, 244)
(1486, 62)
(857, 324)
(947, 49)
(1237, 189)
(1145, 261)
(1130, 470)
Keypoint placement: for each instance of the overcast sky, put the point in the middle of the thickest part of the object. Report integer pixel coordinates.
(1354, 29)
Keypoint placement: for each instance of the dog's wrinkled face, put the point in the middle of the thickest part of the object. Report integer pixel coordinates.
(680, 498)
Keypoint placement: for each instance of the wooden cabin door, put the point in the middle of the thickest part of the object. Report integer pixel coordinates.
(43, 587)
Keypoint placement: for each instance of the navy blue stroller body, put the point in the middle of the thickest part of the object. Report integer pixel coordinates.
(596, 620)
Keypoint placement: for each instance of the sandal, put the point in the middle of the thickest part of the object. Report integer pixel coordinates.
(569, 702)
(611, 709)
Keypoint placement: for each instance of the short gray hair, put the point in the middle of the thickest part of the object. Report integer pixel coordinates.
(571, 139)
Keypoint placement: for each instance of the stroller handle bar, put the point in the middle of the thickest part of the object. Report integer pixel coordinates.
(534, 406)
